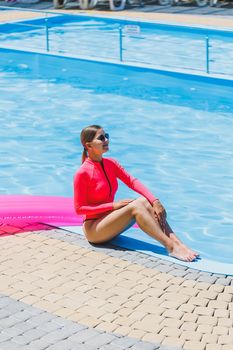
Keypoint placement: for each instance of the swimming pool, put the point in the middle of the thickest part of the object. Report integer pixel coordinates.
(172, 131)
(161, 45)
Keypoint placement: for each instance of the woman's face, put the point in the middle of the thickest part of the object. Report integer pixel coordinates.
(100, 144)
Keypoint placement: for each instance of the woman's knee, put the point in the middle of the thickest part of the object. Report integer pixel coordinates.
(140, 204)
(143, 201)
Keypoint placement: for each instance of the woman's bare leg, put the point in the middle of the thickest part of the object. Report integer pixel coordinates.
(170, 233)
(114, 223)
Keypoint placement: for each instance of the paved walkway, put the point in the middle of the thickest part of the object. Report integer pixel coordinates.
(221, 17)
(59, 292)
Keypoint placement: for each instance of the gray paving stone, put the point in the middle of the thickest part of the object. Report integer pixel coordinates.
(3, 337)
(58, 335)
(85, 347)
(11, 346)
(143, 346)
(12, 331)
(9, 322)
(117, 253)
(40, 319)
(33, 310)
(164, 268)
(33, 347)
(4, 313)
(25, 326)
(124, 342)
(131, 256)
(70, 345)
(4, 301)
(22, 315)
(178, 273)
(40, 344)
(218, 275)
(165, 347)
(204, 273)
(100, 340)
(35, 333)
(48, 326)
(192, 275)
(180, 267)
(153, 265)
(64, 345)
(20, 339)
(70, 239)
(207, 278)
(84, 335)
(61, 322)
(75, 327)
(111, 347)
(15, 307)
(142, 261)
(223, 281)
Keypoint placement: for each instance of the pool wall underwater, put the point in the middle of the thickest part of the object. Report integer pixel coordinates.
(204, 92)
(127, 80)
(115, 75)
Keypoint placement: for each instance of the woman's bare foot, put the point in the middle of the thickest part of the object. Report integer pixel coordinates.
(191, 251)
(181, 252)
(176, 240)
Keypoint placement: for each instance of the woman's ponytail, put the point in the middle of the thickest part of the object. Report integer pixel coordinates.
(84, 155)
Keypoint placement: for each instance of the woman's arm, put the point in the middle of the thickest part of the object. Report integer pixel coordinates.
(80, 198)
(133, 183)
(137, 186)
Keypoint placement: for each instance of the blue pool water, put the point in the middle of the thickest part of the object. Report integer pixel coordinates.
(173, 132)
(155, 44)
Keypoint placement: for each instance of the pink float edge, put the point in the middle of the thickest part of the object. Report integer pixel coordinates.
(54, 210)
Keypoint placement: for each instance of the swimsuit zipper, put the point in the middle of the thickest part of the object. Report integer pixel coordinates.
(110, 187)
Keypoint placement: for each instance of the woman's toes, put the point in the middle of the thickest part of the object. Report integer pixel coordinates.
(183, 253)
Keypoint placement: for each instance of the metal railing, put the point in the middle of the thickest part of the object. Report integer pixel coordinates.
(129, 44)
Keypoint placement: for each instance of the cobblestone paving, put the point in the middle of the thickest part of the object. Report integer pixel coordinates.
(58, 291)
(26, 327)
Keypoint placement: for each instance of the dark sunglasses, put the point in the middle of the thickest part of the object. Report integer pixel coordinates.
(103, 137)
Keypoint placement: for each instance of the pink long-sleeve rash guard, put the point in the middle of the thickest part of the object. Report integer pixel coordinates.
(95, 185)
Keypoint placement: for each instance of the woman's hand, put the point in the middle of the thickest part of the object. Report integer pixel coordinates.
(160, 213)
(121, 203)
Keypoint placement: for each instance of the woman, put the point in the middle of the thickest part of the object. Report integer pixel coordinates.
(95, 185)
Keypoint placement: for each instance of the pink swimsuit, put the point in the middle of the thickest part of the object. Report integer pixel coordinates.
(95, 185)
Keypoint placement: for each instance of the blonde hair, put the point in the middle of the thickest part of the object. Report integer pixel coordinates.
(88, 135)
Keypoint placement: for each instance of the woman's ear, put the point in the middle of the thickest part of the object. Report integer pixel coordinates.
(88, 145)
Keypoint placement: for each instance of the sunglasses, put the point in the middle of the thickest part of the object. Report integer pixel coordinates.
(103, 137)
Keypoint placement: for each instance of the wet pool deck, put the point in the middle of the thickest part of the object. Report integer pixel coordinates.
(59, 292)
